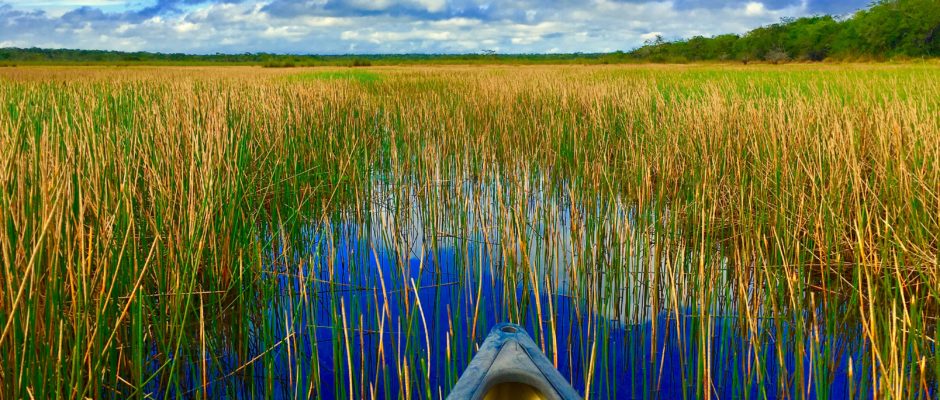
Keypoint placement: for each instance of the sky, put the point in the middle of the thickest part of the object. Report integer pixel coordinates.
(384, 26)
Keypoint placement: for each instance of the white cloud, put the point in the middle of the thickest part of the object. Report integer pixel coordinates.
(454, 23)
(754, 9)
(284, 32)
(185, 27)
(433, 5)
(324, 21)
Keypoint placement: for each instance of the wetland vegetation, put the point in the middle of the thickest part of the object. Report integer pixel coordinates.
(661, 231)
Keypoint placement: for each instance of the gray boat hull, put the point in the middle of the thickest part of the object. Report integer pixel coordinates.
(510, 366)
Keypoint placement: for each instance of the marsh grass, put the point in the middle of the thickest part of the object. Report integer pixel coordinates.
(365, 77)
(693, 231)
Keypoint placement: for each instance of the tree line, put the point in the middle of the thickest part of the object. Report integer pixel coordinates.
(888, 29)
(12, 56)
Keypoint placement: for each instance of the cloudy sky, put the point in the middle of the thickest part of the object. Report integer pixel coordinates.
(384, 26)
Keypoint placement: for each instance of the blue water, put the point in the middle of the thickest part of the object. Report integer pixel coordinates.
(626, 363)
(296, 336)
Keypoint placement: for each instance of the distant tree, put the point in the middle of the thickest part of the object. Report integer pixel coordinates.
(776, 56)
(907, 27)
(811, 38)
(721, 47)
(655, 41)
(360, 62)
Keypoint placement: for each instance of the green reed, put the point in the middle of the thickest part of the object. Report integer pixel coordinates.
(147, 214)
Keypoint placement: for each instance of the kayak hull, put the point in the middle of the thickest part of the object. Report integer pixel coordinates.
(509, 365)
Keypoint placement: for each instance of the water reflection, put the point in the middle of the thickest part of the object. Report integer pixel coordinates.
(392, 299)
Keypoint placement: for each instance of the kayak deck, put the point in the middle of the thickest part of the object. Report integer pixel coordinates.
(510, 366)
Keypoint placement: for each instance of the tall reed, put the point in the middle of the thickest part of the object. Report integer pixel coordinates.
(210, 231)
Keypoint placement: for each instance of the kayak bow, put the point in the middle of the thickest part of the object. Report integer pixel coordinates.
(510, 366)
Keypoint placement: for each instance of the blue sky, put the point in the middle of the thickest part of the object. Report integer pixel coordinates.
(384, 26)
